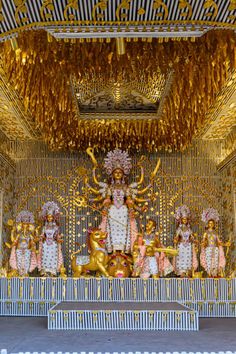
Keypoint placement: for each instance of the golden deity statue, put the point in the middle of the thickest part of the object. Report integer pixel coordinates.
(50, 258)
(149, 254)
(119, 199)
(186, 263)
(23, 259)
(212, 253)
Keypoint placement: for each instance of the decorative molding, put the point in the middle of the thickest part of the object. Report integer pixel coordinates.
(132, 32)
(7, 159)
(221, 116)
(112, 17)
(230, 159)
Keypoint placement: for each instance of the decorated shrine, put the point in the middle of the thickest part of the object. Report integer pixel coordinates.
(118, 163)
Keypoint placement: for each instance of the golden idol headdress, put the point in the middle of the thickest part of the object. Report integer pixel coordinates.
(118, 159)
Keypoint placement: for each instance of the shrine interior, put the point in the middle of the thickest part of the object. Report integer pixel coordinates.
(117, 175)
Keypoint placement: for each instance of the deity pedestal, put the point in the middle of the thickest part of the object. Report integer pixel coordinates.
(35, 296)
(165, 316)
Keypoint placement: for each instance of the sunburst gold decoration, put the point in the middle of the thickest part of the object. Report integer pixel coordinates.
(41, 75)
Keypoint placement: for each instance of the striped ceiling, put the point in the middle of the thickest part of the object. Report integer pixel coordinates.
(147, 15)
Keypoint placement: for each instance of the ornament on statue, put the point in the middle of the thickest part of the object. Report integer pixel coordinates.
(96, 261)
(212, 255)
(149, 255)
(119, 200)
(23, 259)
(185, 263)
(50, 258)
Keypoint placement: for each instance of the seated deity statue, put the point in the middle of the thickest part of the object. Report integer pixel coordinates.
(148, 254)
(50, 258)
(23, 259)
(119, 200)
(185, 263)
(212, 256)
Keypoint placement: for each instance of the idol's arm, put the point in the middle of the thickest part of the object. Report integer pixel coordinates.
(93, 190)
(141, 200)
(90, 152)
(154, 172)
(141, 170)
(97, 199)
(141, 176)
(95, 180)
(13, 237)
(144, 190)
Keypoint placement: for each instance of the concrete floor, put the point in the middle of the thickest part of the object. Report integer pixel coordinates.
(31, 334)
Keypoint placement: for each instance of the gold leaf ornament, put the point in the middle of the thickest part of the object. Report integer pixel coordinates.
(232, 5)
(20, 8)
(125, 4)
(183, 5)
(71, 4)
(102, 5)
(157, 4)
(141, 11)
(49, 6)
(1, 14)
(207, 5)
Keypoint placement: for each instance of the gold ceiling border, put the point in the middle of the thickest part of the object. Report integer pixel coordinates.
(172, 27)
(221, 117)
(230, 159)
(16, 121)
(7, 160)
(15, 16)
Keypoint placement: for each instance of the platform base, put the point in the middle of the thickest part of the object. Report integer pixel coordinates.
(122, 316)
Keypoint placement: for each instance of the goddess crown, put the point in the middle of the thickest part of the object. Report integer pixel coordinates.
(25, 216)
(50, 208)
(117, 159)
(210, 214)
(182, 211)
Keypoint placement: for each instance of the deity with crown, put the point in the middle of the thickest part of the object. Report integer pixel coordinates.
(212, 256)
(50, 258)
(149, 255)
(185, 263)
(23, 258)
(119, 200)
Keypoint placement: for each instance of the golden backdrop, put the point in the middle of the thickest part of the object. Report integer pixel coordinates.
(184, 178)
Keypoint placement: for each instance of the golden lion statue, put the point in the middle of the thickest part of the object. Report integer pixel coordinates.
(98, 258)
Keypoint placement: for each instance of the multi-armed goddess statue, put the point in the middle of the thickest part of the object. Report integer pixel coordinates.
(119, 199)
